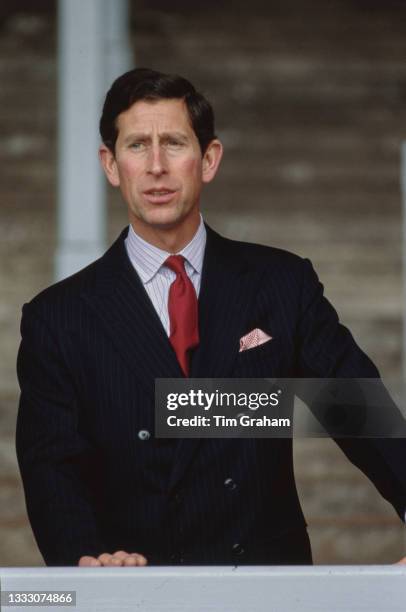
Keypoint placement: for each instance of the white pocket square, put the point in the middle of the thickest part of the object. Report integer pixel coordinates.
(254, 338)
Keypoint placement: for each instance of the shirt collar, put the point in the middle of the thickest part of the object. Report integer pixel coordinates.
(147, 259)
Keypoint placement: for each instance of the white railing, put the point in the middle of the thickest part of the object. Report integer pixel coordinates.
(222, 589)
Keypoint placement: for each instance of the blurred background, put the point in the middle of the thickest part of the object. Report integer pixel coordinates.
(310, 104)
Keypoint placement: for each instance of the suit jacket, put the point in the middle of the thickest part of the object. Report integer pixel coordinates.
(95, 477)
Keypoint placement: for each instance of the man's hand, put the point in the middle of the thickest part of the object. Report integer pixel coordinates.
(401, 562)
(115, 560)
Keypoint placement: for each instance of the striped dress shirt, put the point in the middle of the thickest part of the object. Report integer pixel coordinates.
(148, 261)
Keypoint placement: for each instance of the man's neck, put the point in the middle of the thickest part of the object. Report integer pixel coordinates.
(171, 240)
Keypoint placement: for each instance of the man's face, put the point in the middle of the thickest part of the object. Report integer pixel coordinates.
(159, 167)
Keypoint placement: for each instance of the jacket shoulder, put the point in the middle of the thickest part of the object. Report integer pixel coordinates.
(262, 255)
(98, 275)
(67, 290)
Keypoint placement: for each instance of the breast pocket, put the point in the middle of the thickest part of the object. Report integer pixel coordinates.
(262, 361)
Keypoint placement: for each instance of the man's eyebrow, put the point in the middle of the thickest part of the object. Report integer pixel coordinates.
(136, 136)
(180, 135)
(162, 136)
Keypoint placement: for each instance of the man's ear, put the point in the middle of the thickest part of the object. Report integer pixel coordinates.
(108, 161)
(211, 160)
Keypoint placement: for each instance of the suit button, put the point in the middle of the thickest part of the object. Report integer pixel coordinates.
(238, 549)
(143, 434)
(177, 557)
(175, 500)
(229, 484)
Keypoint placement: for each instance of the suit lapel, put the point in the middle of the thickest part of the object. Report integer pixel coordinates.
(127, 315)
(227, 290)
(224, 299)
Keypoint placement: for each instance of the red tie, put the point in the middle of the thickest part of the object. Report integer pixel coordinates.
(182, 308)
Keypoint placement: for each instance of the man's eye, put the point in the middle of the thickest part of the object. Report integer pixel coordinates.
(174, 143)
(137, 145)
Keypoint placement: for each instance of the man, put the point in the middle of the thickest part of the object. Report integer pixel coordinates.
(100, 488)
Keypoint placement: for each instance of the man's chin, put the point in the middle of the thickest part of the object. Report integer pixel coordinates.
(165, 220)
(165, 224)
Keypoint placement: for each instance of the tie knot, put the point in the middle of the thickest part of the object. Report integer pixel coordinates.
(176, 263)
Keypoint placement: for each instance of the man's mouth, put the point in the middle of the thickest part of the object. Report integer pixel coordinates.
(159, 191)
(159, 196)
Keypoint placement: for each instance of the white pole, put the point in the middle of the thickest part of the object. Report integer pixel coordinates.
(86, 63)
(403, 186)
(118, 56)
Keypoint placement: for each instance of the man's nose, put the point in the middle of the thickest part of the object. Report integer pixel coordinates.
(156, 161)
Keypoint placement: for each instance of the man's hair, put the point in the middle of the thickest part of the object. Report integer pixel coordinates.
(150, 85)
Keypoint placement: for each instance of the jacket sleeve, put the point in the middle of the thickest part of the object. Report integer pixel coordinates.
(328, 350)
(58, 464)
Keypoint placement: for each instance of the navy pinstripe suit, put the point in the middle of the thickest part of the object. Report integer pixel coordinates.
(91, 348)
